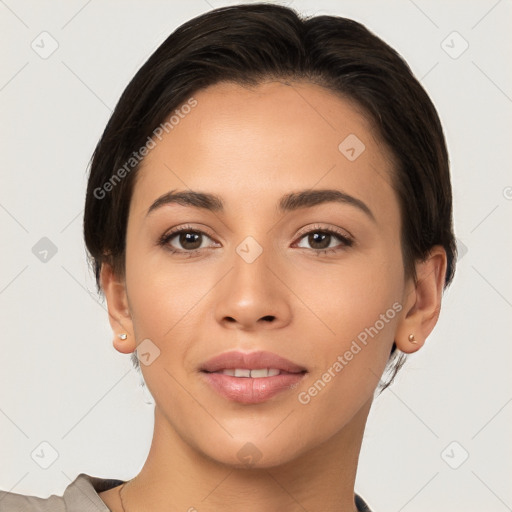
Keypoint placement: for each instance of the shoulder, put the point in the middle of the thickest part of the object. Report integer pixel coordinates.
(81, 495)
(12, 502)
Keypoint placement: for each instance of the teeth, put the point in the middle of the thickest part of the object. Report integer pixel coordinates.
(255, 374)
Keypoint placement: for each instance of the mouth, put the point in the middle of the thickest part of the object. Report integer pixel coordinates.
(251, 378)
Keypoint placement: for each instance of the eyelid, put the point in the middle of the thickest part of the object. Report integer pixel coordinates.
(330, 229)
(187, 227)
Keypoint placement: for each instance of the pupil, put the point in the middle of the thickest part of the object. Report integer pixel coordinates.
(187, 238)
(314, 239)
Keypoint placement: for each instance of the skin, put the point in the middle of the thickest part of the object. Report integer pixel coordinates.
(251, 146)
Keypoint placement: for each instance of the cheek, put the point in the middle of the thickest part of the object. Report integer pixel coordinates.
(160, 295)
(350, 294)
(357, 308)
(347, 363)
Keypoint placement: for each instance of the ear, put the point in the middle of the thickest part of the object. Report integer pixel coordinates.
(118, 310)
(422, 302)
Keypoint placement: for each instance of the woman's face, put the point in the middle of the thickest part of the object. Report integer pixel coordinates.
(319, 283)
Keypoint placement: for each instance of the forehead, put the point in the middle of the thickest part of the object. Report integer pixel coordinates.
(251, 141)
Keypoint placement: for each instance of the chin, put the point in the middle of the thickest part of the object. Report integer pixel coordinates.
(258, 452)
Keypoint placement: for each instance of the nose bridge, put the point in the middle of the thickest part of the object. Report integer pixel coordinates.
(251, 273)
(251, 277)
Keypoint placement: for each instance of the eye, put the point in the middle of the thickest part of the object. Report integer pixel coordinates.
(185, 240)
(322, 240)
(190, 241)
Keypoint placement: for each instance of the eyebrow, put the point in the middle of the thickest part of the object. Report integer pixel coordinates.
(289, 202)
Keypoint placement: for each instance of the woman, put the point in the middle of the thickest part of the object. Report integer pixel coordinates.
(269, 216)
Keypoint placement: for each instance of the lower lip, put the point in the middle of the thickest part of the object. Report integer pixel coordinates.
(248, 390)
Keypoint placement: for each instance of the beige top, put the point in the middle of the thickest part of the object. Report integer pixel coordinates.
(81, 495)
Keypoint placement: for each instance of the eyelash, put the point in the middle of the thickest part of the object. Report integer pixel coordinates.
(167, 237)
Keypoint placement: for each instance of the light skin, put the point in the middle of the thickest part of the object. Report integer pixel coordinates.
(250, 147)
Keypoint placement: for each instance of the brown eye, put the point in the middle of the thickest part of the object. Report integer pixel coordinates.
(185, 240)
(319, 240)
(324, 240)
(189, 240)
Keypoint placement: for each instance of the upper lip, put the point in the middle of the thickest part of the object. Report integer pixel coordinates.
(250, 361)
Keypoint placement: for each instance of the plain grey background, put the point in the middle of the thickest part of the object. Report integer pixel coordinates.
(438, 439)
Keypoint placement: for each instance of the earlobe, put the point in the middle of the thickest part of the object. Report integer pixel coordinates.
(422, 302)
(119, 315)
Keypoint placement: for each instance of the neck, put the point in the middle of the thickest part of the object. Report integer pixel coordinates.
(176, 476)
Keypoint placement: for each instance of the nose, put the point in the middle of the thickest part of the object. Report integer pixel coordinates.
(253, 295)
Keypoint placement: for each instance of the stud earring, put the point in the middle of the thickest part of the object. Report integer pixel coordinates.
(412, 339)
(122, 336)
